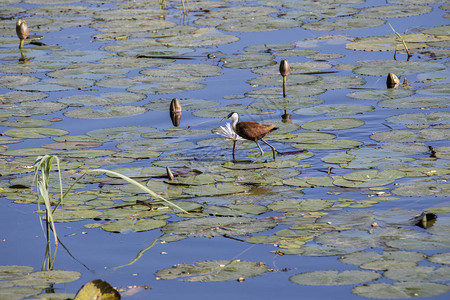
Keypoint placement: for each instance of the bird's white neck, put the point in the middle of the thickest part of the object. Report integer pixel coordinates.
(234, 120)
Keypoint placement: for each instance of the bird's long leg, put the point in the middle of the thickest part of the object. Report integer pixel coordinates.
(273, 149)
(260, 149)
(234, 148)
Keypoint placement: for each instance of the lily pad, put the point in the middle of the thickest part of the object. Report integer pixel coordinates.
(398, 67)
(423, 188)
(415, 102)
(218, 226)
(400, 290)
(35, 133)
(344, 24)
(133, 225)
(217, 270)
(300, 205)
(419, 273)
(405, 136)
(380, 94)
(440, 258)
(335, 110)
(328, 278)
(106, 112)
(333, 124)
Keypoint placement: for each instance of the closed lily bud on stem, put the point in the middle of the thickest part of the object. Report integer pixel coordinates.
(175, 105)
(22, 31)
(392, 81)
(284, 67)
(284, 71)
(175, 112)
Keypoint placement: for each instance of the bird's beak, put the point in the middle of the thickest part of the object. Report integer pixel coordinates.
(223, 119)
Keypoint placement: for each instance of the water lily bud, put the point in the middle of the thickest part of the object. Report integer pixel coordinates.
(175, 105)
(392, 81)
(284, 67)
(22, 29)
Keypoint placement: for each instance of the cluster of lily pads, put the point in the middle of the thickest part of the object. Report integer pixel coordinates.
(137, 68)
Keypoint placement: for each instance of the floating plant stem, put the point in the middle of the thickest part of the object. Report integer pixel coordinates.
(402, 39)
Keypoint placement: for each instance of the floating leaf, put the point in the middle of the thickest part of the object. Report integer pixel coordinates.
(399, 67)
(423, 188)
(335, 110)
(216, 270)
(419, 273)
(440, 258)
(415, 102)
(380, 94)
(133, 225)
(405, 136)
(329, 278)
(333, 124)
(344, 24)
(106, 112)
(97, 289)
(35, 133)
(301, 205)
(218, 226)
(400, 290)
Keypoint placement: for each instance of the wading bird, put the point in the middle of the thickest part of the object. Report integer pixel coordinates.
(251, 131)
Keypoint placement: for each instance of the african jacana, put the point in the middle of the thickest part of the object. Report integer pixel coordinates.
(251, 131)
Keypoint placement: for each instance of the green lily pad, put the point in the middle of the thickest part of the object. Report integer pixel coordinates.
(398, 67)
(97, 289)
(423, 188)
(380, 94)
(440, 258)
(218, 189)
(400, 290)
(415, 102)
(200, 37)
(235, 210)
(120, 133)
(106, 112)
(328, 144)
(44, 278)
(329, 278)
(133, 225)
(439, 89)
(419, 273)
(13, 81)
(394, 11)
(16, 97)
(74, 215)
(103, 99)
(218, 226)
(333, 124)
(408, 136)
(247, 61)
(421, 118)
(14, 271)
(344, 24)
(388, 260)
(31, 108)
(335, 110)
(35, 133)
(26, 123)
(217, 270)
(301, 205)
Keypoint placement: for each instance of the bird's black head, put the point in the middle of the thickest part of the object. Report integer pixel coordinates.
(230, 114)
